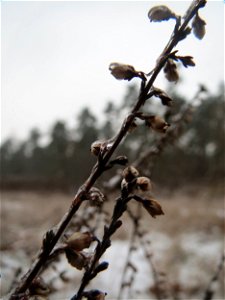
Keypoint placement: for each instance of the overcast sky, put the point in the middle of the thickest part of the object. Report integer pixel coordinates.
(55, 56)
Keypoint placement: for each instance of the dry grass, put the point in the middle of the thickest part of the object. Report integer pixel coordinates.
(186, 242)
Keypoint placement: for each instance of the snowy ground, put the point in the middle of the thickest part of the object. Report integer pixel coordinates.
(186, 247)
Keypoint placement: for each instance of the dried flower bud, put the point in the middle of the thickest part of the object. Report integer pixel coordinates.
(198, 26)
(166, 100)
(96, 197)
(76, 259)
(39, 287)
(96, 147)
(130, 173)
(161, 13)
(187, 61)
(126, 72)
(153, 207)
(79, 241)
(101, 267)
(144, 183)
(170, 71)
(157, 123)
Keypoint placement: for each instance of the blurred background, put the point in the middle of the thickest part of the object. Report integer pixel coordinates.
(58, 97)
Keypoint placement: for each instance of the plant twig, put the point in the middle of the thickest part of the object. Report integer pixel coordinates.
(135, 220)
(102, 246)
(209, 293)
(54, 235)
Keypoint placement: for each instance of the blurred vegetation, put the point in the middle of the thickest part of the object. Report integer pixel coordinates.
(64, 161)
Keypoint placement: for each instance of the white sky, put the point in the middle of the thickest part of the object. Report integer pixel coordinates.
(55, 56)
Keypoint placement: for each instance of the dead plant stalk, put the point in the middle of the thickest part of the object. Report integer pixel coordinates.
(53, 235)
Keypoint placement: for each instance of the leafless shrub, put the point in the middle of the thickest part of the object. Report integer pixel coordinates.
(133, 186)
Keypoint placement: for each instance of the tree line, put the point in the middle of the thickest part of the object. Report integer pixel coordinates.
(194, 155)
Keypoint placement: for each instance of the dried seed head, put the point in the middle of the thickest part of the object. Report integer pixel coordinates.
(76, 259)
(157, 123)
(96, 147)
(160, 13)
(102, 267)
(187, 61)
(79, 241)
(165, 99)
(96, 197)
(144, 183)
(130, 173)
(153, 207)
(198, 26)
(170, 71)
(126, 72)
(39, 287)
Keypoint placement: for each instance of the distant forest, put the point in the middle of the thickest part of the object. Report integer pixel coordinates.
(190, 152)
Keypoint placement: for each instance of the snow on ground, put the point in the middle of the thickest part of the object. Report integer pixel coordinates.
(199, 254)
(186, 245)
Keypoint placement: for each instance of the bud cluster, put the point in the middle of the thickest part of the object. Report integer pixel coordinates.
(156, 123)
(74, 246)
(96, 197)
(132, 181)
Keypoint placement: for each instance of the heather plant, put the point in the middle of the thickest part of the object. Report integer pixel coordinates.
(134, 186)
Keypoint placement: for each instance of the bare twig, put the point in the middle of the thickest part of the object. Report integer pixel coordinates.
(53, 236)
(135, 219)
(209, 293)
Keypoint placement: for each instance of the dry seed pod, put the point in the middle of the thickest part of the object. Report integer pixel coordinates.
(79, 241)
(157, 123)
(170, 71)
(165, 99)
(126, 72)
(144, 183)
(39, 287)
(160, 13)
(76, 259)
(153, 207)
(187, 61)
(96, 147)
(130, 173)
(198, 26)
(96, 197)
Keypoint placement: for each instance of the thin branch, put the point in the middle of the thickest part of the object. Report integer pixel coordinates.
(209, 293)
(135, 220)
